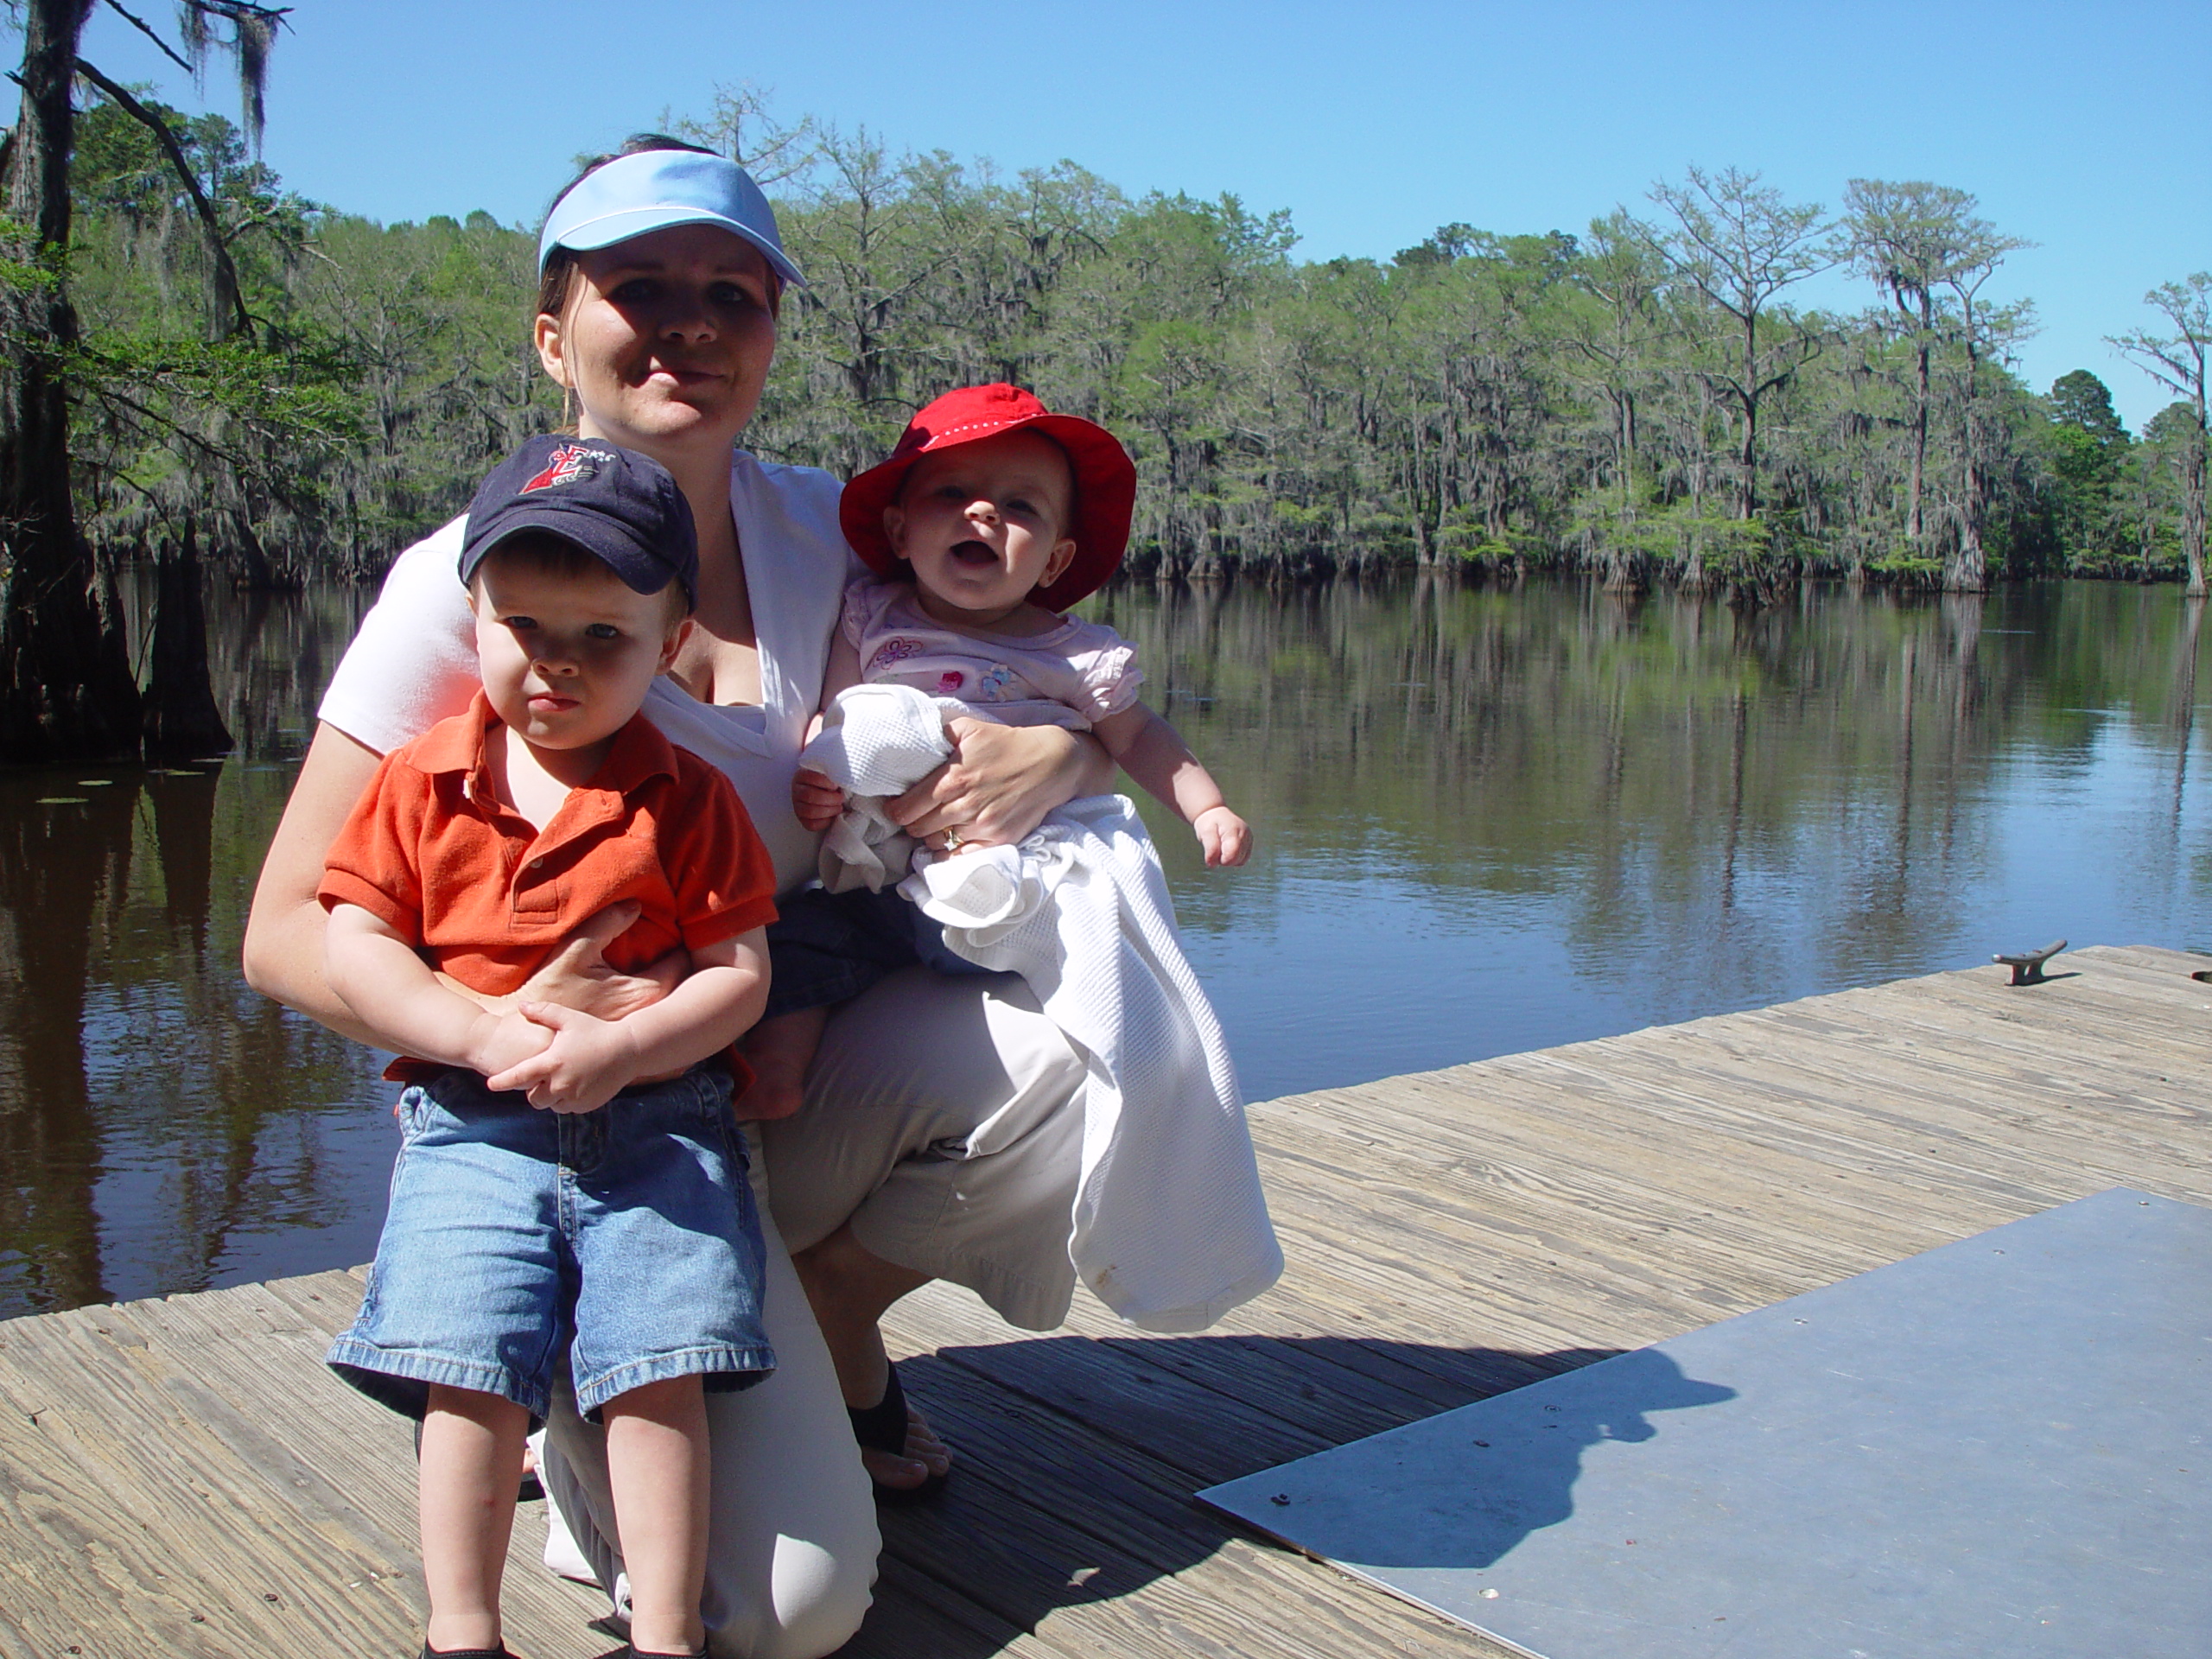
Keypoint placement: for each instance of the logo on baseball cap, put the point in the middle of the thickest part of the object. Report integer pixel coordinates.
(621, 507)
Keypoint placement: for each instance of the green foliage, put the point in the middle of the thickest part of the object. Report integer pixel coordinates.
(1480, 400)
(2082, 401)
(26, 269)
(2086, 449)
(1907, 564)
(390, 366)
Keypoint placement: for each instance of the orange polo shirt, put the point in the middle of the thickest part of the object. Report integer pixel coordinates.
(432, 853)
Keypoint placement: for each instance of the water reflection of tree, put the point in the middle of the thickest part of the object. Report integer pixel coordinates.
(2185, 702)
(63, 874)
(218, 1087)
(1686, 778)
(270, 653)
(152, 1108)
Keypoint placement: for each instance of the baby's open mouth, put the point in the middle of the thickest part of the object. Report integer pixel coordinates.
(974, 552)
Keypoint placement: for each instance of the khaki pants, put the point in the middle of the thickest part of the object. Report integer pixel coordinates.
(941, 1118)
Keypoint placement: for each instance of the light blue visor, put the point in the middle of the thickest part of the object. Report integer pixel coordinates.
(655, 188)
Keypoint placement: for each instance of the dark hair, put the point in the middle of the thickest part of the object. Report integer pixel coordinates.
(564, 560)
(555, 280)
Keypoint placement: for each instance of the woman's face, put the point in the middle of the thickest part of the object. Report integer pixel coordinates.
(665, 340)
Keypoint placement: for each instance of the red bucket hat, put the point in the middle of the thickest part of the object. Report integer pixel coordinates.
(1105, 481)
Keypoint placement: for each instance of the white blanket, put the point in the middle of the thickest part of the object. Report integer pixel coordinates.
(1170, 1228)
(876, 740)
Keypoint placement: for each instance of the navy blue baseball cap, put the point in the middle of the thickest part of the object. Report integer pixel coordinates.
(623, 508)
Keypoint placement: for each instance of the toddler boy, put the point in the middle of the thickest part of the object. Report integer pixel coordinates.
(547, 1203)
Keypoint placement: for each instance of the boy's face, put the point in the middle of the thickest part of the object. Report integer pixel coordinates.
(985, 524)
(567, 658)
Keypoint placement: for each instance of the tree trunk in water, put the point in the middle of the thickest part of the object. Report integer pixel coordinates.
(260, 573)
(1693, 580)
(1914, 526)
(1747, 492)
(1747, 497)
(2192, 513)
(181, 719)
(1965, 567)
(66, 686)
(1966, 570)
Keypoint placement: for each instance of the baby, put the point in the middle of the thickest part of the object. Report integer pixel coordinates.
(989, 518)
(547, 1202)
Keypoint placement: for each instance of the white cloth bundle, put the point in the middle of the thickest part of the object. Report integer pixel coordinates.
(1170, 1228)
(876, 740)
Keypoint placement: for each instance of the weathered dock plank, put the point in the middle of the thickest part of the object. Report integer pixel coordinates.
(182, 1477)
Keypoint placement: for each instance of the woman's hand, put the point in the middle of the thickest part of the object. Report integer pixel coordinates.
(576, 974)
(1002, 781)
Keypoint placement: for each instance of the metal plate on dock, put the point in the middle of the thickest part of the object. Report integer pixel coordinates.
(2002, 1445)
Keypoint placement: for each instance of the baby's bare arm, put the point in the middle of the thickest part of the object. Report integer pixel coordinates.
(845, 668)
(1153, 753)
(815, 799)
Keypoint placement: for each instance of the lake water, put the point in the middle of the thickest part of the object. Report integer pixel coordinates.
(1489, 820)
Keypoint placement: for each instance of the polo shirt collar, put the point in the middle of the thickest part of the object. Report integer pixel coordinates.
(640, 753)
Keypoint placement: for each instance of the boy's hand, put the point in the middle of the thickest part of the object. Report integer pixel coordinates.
(504, 1040)
(1226, 837)
(582, 1066)
(815, 799)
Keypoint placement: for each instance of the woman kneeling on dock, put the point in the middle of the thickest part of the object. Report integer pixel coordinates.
(941, 1130)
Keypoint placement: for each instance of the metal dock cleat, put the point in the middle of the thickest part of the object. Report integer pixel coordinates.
(2027, 966)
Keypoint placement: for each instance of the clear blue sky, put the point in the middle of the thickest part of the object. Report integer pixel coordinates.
(2081, 127)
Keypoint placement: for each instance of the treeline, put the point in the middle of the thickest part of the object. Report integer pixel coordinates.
(1643, 400)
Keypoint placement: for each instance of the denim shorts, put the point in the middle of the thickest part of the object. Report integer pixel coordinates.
(625, 1239)
(825, 948)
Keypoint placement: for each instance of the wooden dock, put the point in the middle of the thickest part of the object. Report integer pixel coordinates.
(182, 1477)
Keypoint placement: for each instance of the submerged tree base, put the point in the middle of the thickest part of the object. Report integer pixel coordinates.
(66, 691)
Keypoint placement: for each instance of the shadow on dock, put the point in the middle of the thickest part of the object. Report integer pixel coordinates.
(1079, 1457)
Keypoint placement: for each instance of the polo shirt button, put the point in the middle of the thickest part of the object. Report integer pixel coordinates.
(536, 863)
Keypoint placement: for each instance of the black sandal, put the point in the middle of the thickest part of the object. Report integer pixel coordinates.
(500, 1652)
(882, 1427)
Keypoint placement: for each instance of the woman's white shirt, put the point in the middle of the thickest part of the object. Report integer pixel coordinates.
(413, 661)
